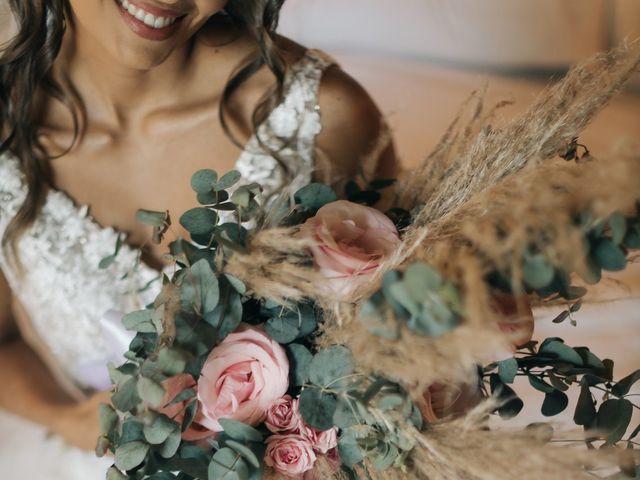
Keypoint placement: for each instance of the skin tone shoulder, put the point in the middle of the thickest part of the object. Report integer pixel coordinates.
(151, 83)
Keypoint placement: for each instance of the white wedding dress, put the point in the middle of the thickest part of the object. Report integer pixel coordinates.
(74, 308)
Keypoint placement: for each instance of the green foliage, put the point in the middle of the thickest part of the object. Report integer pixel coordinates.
(370, 194)
(314, 196)
(106, 262)
(553, 368)
(150, 391)
(130, 455)
(331, 367)
(299, 361)
(428, 304)
(613, 418)
(317, 408)
(200, 291)
(227, 464)
(240, 431)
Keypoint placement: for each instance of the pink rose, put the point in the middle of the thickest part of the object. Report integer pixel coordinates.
(289, 455)
(241, 378)
(321, 441)
(351, 242)
(173, 387)
(281, 416)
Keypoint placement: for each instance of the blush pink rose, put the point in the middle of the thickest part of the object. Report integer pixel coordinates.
(173, 387)
(289, 455)
(241, 378)
(321, 441)
(351, 240)
(281, 416)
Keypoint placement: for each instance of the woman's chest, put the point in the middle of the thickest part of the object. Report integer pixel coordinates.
(117, 175)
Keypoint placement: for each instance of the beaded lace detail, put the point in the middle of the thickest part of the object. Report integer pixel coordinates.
(70, 301)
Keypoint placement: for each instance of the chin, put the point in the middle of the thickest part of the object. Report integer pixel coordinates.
(137, 57)
(141, 34)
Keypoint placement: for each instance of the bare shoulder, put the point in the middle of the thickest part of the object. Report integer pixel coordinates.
(354, 139)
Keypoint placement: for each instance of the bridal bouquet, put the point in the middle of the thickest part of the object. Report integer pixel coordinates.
(322, 338)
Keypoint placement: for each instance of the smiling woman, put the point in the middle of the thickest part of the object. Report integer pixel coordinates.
(110, 105)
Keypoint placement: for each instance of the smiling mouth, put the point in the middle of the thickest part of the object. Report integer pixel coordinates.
(148, 21)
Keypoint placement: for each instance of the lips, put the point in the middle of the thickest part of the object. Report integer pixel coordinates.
(148, 21)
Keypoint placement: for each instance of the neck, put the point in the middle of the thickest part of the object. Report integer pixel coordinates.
(113, 93)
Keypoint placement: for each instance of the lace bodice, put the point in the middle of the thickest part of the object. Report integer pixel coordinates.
(74, 307)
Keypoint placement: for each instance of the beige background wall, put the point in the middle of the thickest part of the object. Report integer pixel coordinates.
(497, 33)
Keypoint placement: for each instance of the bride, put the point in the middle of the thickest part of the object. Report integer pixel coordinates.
(107, 106)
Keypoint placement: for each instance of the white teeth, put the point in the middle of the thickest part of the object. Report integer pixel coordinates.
(149, 19)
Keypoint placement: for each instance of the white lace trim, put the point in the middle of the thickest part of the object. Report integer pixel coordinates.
(65, 294)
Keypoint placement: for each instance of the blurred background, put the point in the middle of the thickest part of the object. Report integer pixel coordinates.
(420, 59)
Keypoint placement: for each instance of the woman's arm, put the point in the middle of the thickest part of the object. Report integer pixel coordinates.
(29, 391)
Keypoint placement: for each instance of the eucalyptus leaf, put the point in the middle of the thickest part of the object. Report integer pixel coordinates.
(507, 370)
(561, 351)
(299, 361)
(317, 408)
(126, 397)
(386, 458)
(331, 366)
(227, 464)
(203, 180)
(537, 272)
(200, 288)
(240, 431)
(154, 219)
(171, 444)
(199, 221)
(618, 226)
(130, 455)
(585, 411)
(150, 391)
(236, 283)
(114, 474)
(140, 321)
(613, 419)
(610, 256)
(420, 278)
(132, 431)
(623, 386)
(159, 430)
(189, 415)
(555, 402)
(349, 450)
(346, 414)
(539, 384)
(511, 404)
(314, 196)
(283, 328)
(108, 418)
(228, 180)
(245, 451)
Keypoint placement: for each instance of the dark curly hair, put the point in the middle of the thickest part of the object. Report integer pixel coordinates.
(26, 63)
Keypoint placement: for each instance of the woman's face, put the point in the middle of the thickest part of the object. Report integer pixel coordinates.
(141, 34)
